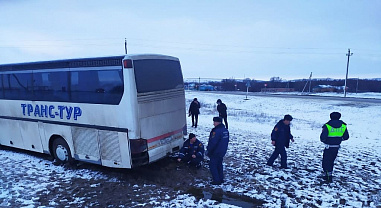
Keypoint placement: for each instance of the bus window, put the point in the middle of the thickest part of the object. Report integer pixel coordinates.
(101, 87)
(51, 86)
(157, 75)
(111, 82)
(1, 87)
(18, 86)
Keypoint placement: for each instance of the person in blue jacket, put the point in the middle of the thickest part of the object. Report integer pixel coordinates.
(333, 133)
(280, 138)
(216, 150)
(192, 152)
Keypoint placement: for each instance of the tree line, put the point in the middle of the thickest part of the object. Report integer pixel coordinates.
(353, 85)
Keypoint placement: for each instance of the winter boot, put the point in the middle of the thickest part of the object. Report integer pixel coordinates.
(327, 176)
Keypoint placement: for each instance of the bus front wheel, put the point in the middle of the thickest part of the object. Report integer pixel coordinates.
(61, 151)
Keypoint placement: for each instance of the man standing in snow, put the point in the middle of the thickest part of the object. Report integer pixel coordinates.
(334, 131)
(194, 110)
(280, 138)
(192, 152)
(221, 108)
(217, 147)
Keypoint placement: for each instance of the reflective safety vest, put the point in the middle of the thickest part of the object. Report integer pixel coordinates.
(336, 132)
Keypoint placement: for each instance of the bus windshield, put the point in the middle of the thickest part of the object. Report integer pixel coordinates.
(157, 74)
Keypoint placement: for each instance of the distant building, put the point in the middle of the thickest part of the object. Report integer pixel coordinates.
(327, 88)
(190, 86)
(277, 90)
(205, 87)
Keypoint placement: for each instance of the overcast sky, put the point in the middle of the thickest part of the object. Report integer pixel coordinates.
(213, 39)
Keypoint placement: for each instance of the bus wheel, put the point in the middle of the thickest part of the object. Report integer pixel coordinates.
(61, 151)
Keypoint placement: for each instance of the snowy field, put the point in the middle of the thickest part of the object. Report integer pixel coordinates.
(33, 181)
(357, 171)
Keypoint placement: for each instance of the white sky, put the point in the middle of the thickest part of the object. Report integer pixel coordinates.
(213, 39)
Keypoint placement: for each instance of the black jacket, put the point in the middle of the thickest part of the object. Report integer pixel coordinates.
(281, 134)
(194, 108)
(333, 140)
(221, 108)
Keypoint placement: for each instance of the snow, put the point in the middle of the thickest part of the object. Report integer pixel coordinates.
(357, 169)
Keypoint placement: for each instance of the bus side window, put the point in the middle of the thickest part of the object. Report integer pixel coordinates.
(51, 86)
(18, 86)
(84, 86)
(101, 87)
(1, 87)
(111, 81)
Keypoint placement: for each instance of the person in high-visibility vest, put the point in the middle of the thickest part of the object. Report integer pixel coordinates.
(334, 132)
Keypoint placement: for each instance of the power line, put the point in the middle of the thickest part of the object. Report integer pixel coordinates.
(117, 40)
(201, 47)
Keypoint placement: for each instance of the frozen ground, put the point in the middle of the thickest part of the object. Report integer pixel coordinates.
(32, 180)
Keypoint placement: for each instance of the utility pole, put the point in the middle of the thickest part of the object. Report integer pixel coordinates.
(307, 83)
(199, 83)
(247, 88)
(346, 76)
(125, 45)
(309, 89)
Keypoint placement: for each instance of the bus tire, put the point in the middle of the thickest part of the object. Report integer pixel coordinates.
(61, 151)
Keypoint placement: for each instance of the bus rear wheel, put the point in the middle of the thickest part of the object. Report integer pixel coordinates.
(61, 151)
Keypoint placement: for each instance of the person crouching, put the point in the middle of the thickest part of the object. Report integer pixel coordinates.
(192, 152)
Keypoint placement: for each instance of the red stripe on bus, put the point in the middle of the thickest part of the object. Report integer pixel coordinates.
(163, 136)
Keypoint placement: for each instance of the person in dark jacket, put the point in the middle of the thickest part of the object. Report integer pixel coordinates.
(333, 133)
(280, 138)
(194, 110)
(216, 150)
(192, 152)
(221, 108)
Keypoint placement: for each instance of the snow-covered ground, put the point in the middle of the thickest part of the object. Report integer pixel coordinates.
(33, 181)
(357, 169)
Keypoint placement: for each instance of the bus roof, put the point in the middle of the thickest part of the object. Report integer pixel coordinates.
(80, 62)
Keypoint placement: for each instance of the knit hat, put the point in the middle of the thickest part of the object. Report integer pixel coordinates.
(287, 117)
(191, 135)
(335, 115)
(217, 119)
(195, 99)
(219, 101)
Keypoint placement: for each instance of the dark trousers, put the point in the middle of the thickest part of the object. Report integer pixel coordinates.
(329, 157)
(225, 121)
(279, 150)
(194, 116)
(216, 169)
(192, 161)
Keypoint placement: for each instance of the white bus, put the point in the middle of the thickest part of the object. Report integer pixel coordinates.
(121, 111)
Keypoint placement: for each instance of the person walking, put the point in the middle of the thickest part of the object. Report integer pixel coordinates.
(333, 133)
(280, 138)
(194, 110)
(216, 150)
(192, 152)
(221, 108)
